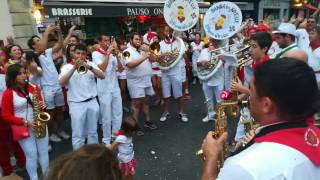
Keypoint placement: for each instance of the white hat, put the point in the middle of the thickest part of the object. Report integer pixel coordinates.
(286, 28)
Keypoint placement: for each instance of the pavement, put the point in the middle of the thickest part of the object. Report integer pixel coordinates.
(167, 153)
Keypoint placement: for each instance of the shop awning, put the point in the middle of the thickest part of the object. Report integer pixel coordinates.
(108, 8)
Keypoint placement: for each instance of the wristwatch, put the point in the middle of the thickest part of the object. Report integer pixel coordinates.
(90, 68)
(25, 123)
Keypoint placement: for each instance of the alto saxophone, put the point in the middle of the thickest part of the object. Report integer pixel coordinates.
(39, 116)
(221, 126)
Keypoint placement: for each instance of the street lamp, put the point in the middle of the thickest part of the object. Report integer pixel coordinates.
(37, 15)
(299, 3)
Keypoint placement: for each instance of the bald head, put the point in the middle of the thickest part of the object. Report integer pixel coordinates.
(298, 54)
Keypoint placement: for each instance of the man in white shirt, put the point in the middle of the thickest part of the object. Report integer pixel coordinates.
(214, 85)
(287, 145)
(173, 77)
(139, 74)
(51, 89)
(285, 36)
(82, 96)
(108, 88)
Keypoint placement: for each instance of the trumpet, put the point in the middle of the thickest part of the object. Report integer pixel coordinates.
(82, 68)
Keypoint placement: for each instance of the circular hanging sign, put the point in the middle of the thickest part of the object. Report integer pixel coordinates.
(181, 15)
(222, 20)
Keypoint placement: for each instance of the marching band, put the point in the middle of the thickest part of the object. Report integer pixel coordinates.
(235, 68)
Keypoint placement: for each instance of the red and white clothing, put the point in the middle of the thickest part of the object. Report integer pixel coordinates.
(196, 50)
(83, 105)
(271, 156)
(15, 109)
(109, 95)
(148, 38)
(175, 75)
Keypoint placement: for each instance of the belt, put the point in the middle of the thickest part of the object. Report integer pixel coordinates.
(89, 99)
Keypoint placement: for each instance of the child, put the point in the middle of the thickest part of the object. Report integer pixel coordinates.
(124, 145)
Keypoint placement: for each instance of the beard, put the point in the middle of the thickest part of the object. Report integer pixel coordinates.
(136, 45)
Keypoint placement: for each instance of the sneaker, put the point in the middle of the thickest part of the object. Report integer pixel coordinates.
(207, 119)
(49, 148)
(64, 135)
(140, 133)
(164, 117)
(55, 138)
(150, 125)
(183, 117)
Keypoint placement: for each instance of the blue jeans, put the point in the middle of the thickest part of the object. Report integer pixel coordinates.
(35, 150)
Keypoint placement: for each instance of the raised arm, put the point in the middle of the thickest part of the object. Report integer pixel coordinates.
(66, 40)
(59, 44)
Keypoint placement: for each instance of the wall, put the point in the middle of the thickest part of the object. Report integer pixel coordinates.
(5, 21)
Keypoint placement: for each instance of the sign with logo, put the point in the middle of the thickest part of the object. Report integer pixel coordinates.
(181, 15)
(222, 20)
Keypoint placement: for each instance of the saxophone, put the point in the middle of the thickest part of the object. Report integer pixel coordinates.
(39, 116)
(221, 126)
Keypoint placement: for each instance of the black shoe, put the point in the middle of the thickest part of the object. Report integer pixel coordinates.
(150, 125)
(140, 133)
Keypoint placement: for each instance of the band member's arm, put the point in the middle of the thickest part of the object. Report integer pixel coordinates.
(59, 44)
(98, 73)
(44, 40)
(114, 145)
(64, 79)
(136, 62)
(8, 109)
(238, 86)
(66, 40)
(103, 66)
(120, 67)
(35, 69)
(212, 148)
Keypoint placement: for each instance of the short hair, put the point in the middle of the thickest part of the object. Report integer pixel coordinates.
(134, 34)
(153, 27)
(68, 56)
(30, 41)
(91, 161)
(263, 39)
(291, 84)
(197, 33)
(101, 35)
(80, 47)
(76, 37)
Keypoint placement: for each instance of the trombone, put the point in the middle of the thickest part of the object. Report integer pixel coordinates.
(153, 48)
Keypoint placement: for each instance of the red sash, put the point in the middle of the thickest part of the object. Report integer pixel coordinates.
(304, 139)
(101, 51)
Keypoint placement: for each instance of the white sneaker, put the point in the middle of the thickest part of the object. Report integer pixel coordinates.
(164, 117)
(183, 117)
(64, 135)
(55, 138)
(206, 119)
(49, 148)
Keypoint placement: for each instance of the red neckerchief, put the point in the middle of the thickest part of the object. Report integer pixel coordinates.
(315, 44)
(170, 41)
(304, 139)
(101, 51)
(255, 64)
(150, 36)
(119, 132)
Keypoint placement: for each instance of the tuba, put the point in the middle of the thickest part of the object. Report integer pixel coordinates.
(39, 116)
(171, 58)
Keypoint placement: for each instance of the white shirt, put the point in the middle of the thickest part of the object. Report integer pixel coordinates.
(110, 82)
(303, 41)
(50, 74)
(274, 50)
(196, 50)
(140, 75)
(215, 79)
(125, 148)
(265, 161)
(164, 47)
(80, 86)
(314, 62)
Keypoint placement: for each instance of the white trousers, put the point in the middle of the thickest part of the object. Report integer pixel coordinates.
(35, 150)
(210, 92)
(111, 114)
(84, 117)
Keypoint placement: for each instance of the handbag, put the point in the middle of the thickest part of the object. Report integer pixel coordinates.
(19, 132)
